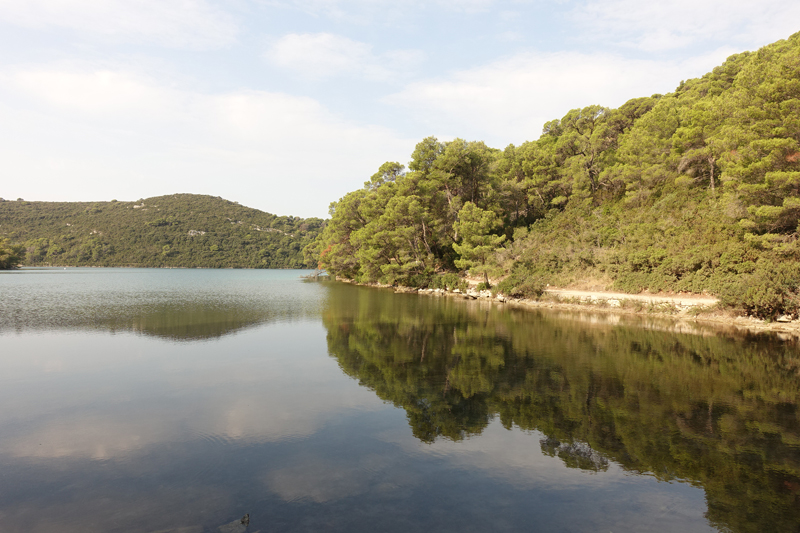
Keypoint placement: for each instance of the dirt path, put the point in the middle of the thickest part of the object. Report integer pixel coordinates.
(691, 300)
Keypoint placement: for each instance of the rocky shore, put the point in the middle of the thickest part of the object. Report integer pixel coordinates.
(677, 309)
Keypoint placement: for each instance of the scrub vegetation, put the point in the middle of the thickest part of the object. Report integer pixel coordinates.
(10, 255)
(697, 190)
(180, 230)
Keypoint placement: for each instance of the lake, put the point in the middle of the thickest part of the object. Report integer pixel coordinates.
(181, 400)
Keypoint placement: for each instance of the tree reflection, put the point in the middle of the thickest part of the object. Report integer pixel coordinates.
(714, 410)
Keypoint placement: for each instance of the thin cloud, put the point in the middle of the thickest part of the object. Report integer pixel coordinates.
(382, 11)
(124, 135)
(508, 101)
(325, 55)
(193, 24)
(97, 93)
(680, 24)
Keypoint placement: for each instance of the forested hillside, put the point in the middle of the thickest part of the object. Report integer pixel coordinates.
(180, 230)
(697, 190)
(10, 255)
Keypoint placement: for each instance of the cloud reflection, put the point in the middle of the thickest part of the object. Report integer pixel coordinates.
(272, 388)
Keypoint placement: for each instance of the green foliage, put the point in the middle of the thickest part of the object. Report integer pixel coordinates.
(770, 290)
(521, 283)
(447, 281)
(11, 255)
(697, 190)
(401, 226)
(477, 244)
(181, 230)
(388, 172)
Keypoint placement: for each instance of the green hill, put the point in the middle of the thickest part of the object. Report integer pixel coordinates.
(180, 230)
(697, 190)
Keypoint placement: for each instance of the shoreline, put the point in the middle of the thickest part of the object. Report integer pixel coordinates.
(689, 309)
(710, 318)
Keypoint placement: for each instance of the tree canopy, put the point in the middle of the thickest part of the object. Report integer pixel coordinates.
(697, 190)
(10, 255)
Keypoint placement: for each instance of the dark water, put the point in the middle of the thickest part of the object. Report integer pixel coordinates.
(179, 400)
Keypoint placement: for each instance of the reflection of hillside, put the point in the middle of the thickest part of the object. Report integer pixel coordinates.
(174, 316)
(712, 410)
(184, 321)
(193, 321)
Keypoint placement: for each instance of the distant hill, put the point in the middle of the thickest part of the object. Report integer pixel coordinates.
(179, 230)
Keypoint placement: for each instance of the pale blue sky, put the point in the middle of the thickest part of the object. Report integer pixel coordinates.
(286, 105)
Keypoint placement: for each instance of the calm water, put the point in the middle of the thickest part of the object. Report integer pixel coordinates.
(179, 400)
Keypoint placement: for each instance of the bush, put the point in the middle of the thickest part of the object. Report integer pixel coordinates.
(417, 281)
(521, 284)
(11, 255)
(771, 290)
(446, 281)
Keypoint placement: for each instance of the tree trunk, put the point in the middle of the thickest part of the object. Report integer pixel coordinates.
(425, 240)
(711, 162)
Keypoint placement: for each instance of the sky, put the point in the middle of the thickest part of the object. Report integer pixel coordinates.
(287, 105)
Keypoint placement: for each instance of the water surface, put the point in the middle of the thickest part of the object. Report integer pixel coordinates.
(179, 400)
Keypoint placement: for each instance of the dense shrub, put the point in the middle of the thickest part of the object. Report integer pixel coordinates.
(11, 255)
(770, 291)
(446, 281)
(521, 284)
